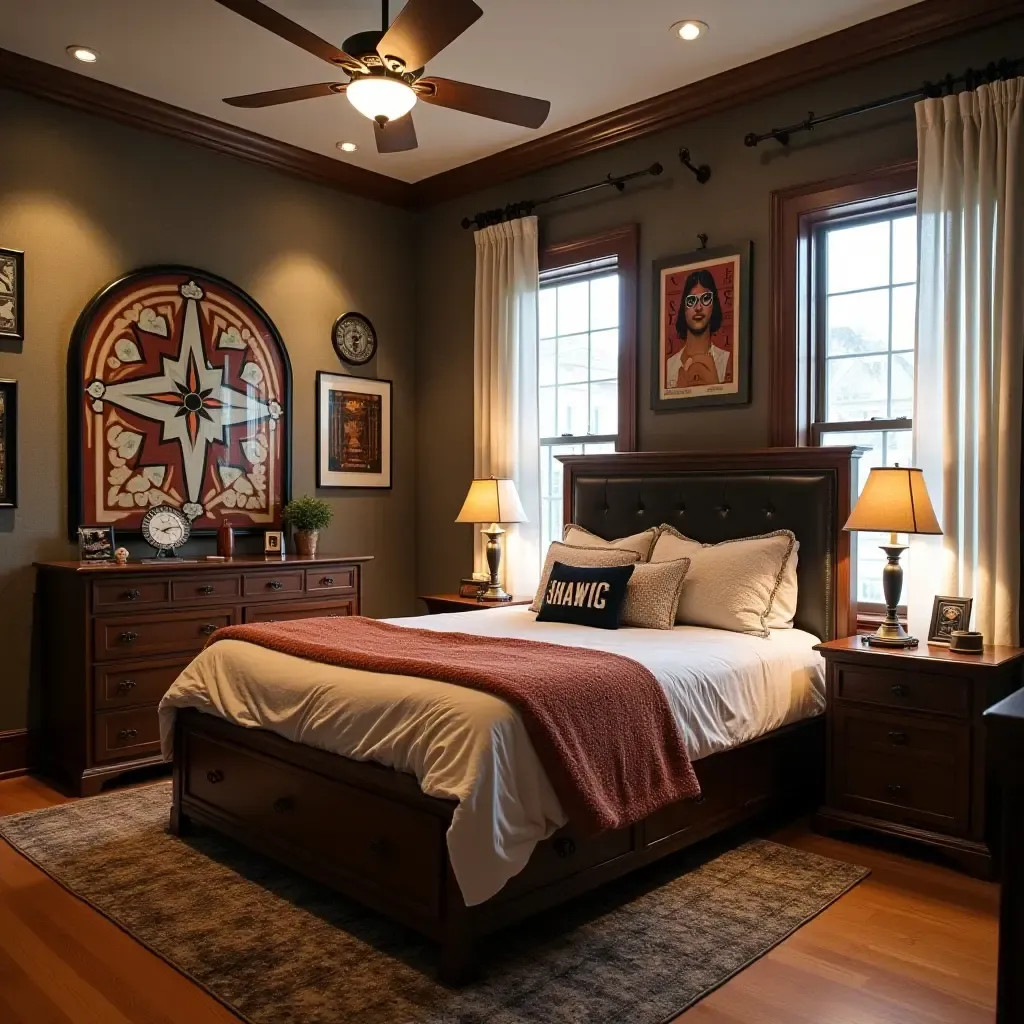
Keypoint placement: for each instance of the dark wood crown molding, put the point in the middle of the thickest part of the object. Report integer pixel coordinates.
(94, 97)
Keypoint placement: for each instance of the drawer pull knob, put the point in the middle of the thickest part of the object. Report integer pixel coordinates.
(899, 690)
(564, 847)
(275, 584)
(132, 595)
(898, 737)
(214, 777)
(894, 789)
(127, 734)
(380, 848)
(209, 629)
(327, 581)
(125, 685)
(129, 636)
(208, 589)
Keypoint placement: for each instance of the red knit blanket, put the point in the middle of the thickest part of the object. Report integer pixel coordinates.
(600, 723)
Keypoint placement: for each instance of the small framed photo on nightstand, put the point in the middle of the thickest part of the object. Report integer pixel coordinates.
(273, 543)
(948, 614)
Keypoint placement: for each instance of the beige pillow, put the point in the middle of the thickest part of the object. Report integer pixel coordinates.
(732, 585)
(784, 609)
(569, 554)
(652, 594)
(641, 543)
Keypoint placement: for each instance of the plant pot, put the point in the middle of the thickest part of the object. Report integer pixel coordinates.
(305, 541)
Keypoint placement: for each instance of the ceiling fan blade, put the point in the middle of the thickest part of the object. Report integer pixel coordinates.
(492, 103)
(424, 28)
(297, 92)
(396, 136)
(268, 18)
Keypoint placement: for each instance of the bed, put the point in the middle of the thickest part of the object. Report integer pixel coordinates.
(403, 846)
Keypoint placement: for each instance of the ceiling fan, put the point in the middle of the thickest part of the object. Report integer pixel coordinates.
(386, 68)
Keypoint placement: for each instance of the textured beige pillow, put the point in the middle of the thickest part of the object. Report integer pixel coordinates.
(641, 543)
(569, 554)
(732, 585)
(784, 609)
(652, 594)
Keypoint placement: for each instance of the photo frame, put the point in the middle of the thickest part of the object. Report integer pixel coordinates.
(273, 542)
(8, 444)
(12, 294)
(949, 613)
(701, 352)
(96, 544)
(353, 431)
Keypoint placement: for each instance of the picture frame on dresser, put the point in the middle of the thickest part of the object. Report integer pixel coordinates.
(8, 444)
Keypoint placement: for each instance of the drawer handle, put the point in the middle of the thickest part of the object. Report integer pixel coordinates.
(275, 584)
(132, 595)
(129, 637)
(899, 690)
(125, 685)
(564, 847)
(209, 629)
(380, 848)
(127, 734)
(898, 737)
(283, 804)
(208, 589)
(894, 789)
(326, 581)
(214, 777)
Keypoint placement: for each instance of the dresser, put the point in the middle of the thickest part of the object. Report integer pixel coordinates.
(114, 638)
(906, 745)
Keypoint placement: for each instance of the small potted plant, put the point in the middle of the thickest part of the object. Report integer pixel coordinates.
(307, 517)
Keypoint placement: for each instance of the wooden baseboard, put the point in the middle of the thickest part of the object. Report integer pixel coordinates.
(13, 753)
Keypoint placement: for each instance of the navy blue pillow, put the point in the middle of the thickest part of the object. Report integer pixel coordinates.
(585, 595)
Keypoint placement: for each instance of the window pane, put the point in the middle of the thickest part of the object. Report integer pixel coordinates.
(904, 249)
(899, 446)
(858, 257)
(858, 323)
(573, 308)
(548, 425)
(904, 316)
(604, 355)
(604, 408)
(600, 448)
(546, 362)
(573, 358)
(545, 471)
(548, 301)
(856, 388)
(872, 440)
(901, 401)
(604, 302)
(573, 409)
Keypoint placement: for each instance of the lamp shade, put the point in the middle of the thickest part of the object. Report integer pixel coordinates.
(492, 501)
(894, 500)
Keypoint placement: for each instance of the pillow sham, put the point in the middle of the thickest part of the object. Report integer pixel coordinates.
(784, 609)
(585, 595)
(732, 585)
(569, 554)
(652, 595)
(642, 543)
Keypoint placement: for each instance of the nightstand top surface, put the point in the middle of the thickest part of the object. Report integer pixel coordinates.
(991, 657)
(473, 602)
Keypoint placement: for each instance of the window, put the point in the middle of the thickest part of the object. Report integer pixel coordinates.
(586, 356)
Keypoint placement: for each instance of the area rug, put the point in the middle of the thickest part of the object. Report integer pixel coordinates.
(277, 949)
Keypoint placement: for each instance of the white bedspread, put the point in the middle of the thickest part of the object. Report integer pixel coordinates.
(724, 689)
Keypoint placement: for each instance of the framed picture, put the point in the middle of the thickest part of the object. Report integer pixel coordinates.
(273, 542)
(8, 444)
(702, 329)
(12, 294)
(949, 613)
(353, 431)
(96, 543)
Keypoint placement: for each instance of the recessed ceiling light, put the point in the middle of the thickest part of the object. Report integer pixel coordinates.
(690, 29)
(84, 54)
(347, 147)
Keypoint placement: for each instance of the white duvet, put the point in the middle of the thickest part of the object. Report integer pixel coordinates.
(723, 688)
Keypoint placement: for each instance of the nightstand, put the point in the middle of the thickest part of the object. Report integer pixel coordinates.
(906, 744)
(438, 604)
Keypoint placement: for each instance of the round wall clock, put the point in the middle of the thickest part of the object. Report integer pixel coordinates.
(166, 528)
(354, 339)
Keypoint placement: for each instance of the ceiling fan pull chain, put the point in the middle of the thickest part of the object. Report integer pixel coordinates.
(385, 20)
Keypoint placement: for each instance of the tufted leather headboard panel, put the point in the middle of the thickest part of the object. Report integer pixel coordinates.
(721, 496)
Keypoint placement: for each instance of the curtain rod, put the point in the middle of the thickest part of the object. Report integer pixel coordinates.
(526, 206)
(970, 79)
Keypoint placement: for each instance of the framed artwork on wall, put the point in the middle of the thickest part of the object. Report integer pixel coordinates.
(12, 294)
(353, 431)
(8, 444)
(179, 393)
(701, 331)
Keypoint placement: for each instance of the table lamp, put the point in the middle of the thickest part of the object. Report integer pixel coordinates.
(894, 500)
(492, 501)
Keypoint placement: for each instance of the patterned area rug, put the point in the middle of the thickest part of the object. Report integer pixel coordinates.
(277, 949)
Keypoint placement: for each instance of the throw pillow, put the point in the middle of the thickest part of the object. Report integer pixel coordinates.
(585, 595)
(569, 554)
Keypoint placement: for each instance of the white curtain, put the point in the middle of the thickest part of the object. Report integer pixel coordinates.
(970, 337)
(506, 420)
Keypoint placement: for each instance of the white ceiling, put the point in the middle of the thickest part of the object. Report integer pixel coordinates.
(587, 56)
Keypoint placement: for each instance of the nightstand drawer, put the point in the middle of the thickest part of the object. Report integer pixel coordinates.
(858, 732)
(915, 691)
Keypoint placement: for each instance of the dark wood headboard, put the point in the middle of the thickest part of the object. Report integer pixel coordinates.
(715, 496)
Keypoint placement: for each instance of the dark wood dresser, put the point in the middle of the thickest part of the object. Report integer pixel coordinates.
(906, 744)
(114, 638)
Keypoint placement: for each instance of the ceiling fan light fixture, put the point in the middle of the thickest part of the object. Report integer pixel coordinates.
(381, 99)
(690, 29)
(84, 53)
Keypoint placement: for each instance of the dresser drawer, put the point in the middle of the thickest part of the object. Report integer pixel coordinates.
(331, 580)
(173, 633)
(290, 610)
(401, 851)
(128, 593)
(209, 588)
(875, 732)
(916, 691)
(122, 685)
(273, 584)
(121, 734)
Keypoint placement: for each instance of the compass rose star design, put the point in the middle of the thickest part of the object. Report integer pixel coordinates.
(189, 399)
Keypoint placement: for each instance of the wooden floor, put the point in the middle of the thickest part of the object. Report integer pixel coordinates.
(914, 944)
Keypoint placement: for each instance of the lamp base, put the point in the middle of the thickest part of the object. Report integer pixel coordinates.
(886, 636)
(495, 594)
(891, 632)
